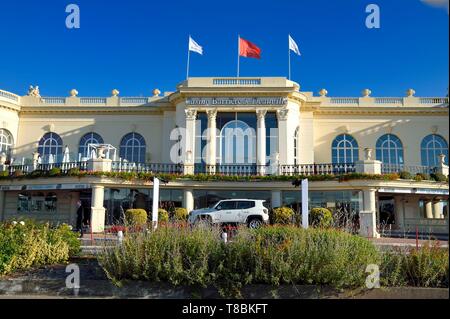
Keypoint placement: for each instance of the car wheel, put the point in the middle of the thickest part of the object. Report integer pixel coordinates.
(254, 223)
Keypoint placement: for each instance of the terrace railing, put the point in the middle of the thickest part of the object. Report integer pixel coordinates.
(220, 169)
(168, 168)
(235, 169)
(413, 169)
(317, 169)
(65, 167)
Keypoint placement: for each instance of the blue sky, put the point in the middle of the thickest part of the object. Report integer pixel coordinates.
(136, 45)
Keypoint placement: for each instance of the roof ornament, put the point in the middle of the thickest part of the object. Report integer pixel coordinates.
(366, 92)
(34, 91)
(323, 92)
(156, 92)
(410, 92)
(115, 92)
(73, 92)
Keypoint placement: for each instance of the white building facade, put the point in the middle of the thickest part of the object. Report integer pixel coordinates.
(242, 127)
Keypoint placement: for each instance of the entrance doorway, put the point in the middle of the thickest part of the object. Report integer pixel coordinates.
(85, 197)
(386, 209)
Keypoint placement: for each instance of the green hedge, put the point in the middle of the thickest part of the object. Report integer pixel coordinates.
(136, 217)
(269, 255)
(321, 217)
(180, 214)
(33, 244)
(281, 215)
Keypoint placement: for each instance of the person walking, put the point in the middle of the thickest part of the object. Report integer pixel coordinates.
(80, 217)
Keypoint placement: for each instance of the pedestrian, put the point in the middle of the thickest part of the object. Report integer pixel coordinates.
(80, 217)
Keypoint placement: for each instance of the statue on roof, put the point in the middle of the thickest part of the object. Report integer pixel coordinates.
(34, 91)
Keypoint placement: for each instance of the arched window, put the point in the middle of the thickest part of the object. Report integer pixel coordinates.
(296, 146)
(432, 146)
(237, 143)
(50, 144)
(344, 149)
(389, 150)
(89, 138)
(133, 147)
(6, 142)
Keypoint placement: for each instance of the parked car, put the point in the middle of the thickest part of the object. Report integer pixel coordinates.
(233, 211)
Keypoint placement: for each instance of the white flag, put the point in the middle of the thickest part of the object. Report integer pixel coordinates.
(293, 46)
(193, 46)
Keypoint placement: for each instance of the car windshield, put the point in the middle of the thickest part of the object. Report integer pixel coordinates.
(212, 205)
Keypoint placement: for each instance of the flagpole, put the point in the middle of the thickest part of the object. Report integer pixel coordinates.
(239, 47)
(289, 59)
(189, 55)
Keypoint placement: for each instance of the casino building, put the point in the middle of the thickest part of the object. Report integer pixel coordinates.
(254, 129)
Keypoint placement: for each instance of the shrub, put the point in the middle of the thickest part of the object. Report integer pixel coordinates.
(74, 171)
(427, 266)
(180, 214)
(163, 215)
(268, 255)
(321, 217)
(282, 215)
(439, 177)
(18, 173)
(406, 175)
(4, 174)
(421, 176)
(33, 244)
(136, 217)
(55, 171)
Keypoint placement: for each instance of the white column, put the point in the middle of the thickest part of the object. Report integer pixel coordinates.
(2, 205)
(429, 209)
(191, 115)
(97, 209)
(369, 196)
(276, 198)
(211, 152)
(437, 209)
(261, 141)
(188, 199)
(283, 149)
(367, 216)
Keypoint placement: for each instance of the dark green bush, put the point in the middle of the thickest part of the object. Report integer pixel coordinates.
(321, 217)
(136, 217)
(406, 175)
(282, 215)
(439, 177)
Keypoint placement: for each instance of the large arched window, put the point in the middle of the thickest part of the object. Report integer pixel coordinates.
(432, 146)
(50, 144)
(296, 146)
(89, 138)
(389, 150)
(6, 142)
(133, 147)
(344, 149)
(237, 143)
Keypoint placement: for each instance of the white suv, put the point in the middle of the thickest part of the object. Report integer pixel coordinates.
(237, 211)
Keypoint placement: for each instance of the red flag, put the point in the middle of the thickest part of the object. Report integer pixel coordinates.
(248, 49)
